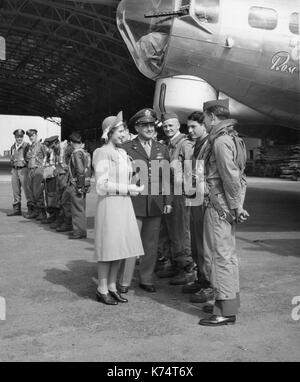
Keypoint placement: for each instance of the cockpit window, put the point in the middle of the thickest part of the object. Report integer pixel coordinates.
(147, 38)
(207, 11)
(263, 18)
(294, 23)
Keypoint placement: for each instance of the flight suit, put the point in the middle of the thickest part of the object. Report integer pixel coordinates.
(180, 150)
(35, 157)
(226, 185)
(19, 174)
(50, 184)
(76, 189)
(197, 223)
(148, 207)
(64, 217)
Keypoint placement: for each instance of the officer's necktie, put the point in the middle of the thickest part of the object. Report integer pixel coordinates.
(147, 147)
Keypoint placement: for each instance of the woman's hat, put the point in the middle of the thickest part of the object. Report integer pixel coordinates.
(110, 123)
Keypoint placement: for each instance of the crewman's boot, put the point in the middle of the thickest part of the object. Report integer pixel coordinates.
(42, 215)
(65, 227)
(32, 213)
(185, 276)
(58, 221)
(50, 219)
(16, 210)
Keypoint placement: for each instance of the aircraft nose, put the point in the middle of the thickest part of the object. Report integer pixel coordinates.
(147, 38)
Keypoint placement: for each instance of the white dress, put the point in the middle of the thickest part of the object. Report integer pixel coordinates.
(116, 231)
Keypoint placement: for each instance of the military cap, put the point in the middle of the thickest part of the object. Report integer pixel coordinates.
(19, 133)
(75, 138)
(166, 116)
(219, 102)
(143, 116)
(52, 139)
(31, 132)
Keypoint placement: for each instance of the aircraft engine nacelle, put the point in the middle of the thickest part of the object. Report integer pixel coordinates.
(182, 95)
(185, 94)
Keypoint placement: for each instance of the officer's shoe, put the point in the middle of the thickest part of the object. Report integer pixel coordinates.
(64, 228)
(14, 213)
(204, 295)
(218, 321)
(183, 278)
(194, 287)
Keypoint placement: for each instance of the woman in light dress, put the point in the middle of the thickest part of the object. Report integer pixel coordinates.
(117, 235)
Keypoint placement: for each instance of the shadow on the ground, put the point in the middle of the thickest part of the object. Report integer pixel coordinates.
(80, 276)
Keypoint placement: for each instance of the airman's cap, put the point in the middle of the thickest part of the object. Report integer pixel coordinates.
(143, 116)
(166, 116)
(30, 132)
(19, 133)
(219, 102)
(52, 139)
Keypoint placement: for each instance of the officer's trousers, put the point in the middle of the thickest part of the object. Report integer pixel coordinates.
(19, 180)
(149, 229)
(36, 188)
(78, 204)
(219, 249)
(178, 226)
(197, 226)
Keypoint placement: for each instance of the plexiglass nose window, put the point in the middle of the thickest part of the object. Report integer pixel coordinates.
(146, 38)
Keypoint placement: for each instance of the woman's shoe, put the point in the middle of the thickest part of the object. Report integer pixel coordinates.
(106, 298)
(118, 297)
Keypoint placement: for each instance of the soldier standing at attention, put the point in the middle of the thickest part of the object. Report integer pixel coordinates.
(35, 158)
(76, 186)
(178, 227)
(225, 161)
(50, 178)
(63, 221)
(19, 171)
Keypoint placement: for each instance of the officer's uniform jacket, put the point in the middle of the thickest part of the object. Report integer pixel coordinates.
(18, 155)
(36, 155)
(223, 176)
(150, 205)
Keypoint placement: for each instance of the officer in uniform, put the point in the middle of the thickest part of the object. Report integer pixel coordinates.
(178, 227)
(226, 191)
(35, 158)
(50, 178)
(19, 171)
(149, 207)
(76, 187)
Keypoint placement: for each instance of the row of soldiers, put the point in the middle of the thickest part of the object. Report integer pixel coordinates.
(55, 178)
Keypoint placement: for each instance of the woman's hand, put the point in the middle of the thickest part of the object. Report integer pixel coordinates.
(135, 190)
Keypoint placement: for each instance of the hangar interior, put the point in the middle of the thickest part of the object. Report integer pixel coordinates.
(66, 59)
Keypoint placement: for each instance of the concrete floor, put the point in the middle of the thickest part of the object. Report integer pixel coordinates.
(48, 283)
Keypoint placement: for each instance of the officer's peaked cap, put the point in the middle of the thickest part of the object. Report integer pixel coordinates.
(31, 132)
(19, 133)
(52, 139)
(143, 116)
